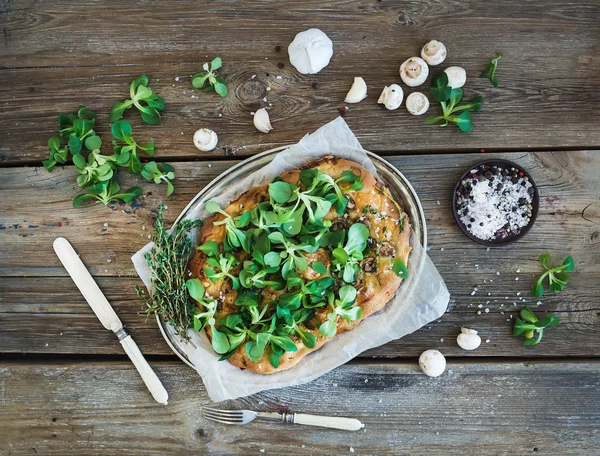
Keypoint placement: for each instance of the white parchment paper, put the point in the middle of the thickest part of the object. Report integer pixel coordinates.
(421, 298)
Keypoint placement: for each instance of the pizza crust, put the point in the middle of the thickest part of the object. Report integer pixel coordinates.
(389, 229)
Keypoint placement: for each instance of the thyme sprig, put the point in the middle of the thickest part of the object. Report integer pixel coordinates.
(168, 260)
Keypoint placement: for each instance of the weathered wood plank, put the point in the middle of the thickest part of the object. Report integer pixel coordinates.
(66, 408)
(57, 55)
(41, 310)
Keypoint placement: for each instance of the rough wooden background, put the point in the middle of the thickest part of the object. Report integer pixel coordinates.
(65, 385)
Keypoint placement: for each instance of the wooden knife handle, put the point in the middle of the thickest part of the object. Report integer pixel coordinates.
(154, 385)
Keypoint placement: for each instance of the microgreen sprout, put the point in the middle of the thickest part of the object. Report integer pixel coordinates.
(220, 342)
(221, 268)
(208, 80)
(143, 98)
(449, 99)
(342, 307)
(127, 155)
(529, 324)
(152, 172)
(557, 276)
(235, 236)
(107, 191)
(346, 259)
(490, 72)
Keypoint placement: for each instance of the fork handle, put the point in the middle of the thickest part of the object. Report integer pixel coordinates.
(334, 422)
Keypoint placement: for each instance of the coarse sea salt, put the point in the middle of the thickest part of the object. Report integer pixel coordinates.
(493, 206)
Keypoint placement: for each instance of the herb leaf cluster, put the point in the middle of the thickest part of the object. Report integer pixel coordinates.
(490, 72)
(79, 142)
(271, 246)
(528, 325)
(208, 80)
(449, 100)
(558, 276)
(143, 98)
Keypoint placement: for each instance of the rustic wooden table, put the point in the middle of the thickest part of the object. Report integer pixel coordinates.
(65, 385)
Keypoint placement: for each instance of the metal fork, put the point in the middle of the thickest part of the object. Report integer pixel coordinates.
(241, 417)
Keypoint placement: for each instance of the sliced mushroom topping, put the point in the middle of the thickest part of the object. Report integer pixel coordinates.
(351, 204)
(369, 264)
(387, 249)
(338, 226)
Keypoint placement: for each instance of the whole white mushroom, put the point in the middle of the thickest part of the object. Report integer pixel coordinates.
(414, 71)
(432, 363)
(417, 103)
(357, 92)
(391, 97)
(434, 53)
(310, 51)
(262, 121)
(205, 139)
(457, 76)
(468, 339)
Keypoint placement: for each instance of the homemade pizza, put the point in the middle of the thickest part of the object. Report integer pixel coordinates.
(289, 265)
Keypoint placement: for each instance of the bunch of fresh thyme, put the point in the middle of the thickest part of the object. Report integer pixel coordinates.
(168, 260)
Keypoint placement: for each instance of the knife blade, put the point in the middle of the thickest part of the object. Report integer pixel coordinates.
(107, 315)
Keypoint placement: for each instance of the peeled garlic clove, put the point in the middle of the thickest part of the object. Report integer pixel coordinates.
(391, 97)
(432, 363)
(310, 51)
(414, 71)
(205, 139)
(357, 92)
(417, 103)
(262, 121)
(468, 339)
(434, 53)
(457, 76)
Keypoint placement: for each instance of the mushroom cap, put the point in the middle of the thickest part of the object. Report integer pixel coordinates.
(417, 103)
(414, 71)
(357, 92)
(261, 120)
(205, 139)
(468, 340)
(457, 76)
(391, 97)
(434, 52)
(310, 51)
(432, 363)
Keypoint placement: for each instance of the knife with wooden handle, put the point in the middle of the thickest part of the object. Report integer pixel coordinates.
(107, 316)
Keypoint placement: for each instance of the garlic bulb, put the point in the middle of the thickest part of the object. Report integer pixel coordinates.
(414, 71)
(262, 121)
(457, 76)
(417, 103)
(205, 139)
(468, 339)
(357, 92)
(391, 97)
(432, 363)
(310, 51)
(434, 53)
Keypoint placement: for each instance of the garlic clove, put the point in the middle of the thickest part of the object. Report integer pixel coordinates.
(432, 363)
(391, 97)
(262, 121)
(205, 139)
(468, 339)
(457, 76)
(417, 103)
(310, 51)
(414, 71)
(434, 53)
(357, 92)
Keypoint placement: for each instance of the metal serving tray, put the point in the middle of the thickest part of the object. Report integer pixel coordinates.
(393, 179)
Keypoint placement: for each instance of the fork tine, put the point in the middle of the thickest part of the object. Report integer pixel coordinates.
(232, 418)
(225, 412)
(223, 421)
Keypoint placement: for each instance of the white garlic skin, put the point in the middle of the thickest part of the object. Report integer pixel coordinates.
(391, 97)
(357, 92)
(262, 121)
(414, 71)
(432, 363)
(434, 53)
(205, 139)
(310, 51)
(417, 103)
(457, 76)
(468, 339)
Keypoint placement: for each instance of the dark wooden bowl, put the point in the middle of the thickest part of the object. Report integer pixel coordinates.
(535, 204)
